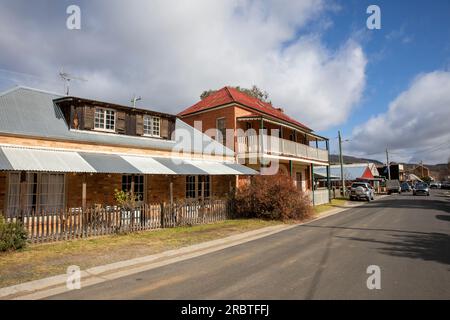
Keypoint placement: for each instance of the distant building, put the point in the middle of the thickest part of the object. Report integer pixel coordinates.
(352, 172)
(420, 171)
(397, 171)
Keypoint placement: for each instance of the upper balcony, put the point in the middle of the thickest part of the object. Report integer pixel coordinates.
(272, 146)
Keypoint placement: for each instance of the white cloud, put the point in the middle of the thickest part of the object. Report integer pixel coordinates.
(416, 125)
(170, 51)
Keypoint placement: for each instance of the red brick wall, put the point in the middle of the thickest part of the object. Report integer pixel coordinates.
(100, 188)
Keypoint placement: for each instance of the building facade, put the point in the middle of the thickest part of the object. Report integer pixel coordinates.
(263, 137)
(59, 152)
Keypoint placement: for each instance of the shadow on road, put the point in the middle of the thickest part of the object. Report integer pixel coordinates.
(415, 203)
(442, 217)
(415, 245)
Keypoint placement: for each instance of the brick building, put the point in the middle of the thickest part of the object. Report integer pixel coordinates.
(263, 137)
(59, 152)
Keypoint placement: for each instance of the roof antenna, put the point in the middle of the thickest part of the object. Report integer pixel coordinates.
(67, 77)
(135, 99)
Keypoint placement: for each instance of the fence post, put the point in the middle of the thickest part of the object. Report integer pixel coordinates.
(162, 215)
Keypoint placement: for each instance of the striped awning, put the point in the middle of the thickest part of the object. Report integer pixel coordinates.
(49, 160)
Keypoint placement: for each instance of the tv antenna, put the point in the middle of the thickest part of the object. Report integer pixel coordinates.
(67, 77)
(135, 99)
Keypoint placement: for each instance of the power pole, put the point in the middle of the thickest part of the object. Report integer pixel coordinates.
(341, 160)
(388, 164)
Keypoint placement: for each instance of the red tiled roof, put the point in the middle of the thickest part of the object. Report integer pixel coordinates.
(228, 95)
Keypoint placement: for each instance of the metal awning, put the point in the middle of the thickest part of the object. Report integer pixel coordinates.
(14, 158)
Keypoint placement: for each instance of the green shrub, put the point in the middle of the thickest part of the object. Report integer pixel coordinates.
(13, 235)
(272, 197)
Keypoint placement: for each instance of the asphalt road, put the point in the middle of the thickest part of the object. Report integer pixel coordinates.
(407, 237)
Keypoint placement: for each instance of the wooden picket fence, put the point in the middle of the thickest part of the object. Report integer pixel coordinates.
(76, 223)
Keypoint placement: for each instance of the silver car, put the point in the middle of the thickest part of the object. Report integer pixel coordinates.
(362, 190)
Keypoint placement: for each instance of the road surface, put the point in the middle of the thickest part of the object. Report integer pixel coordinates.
(407, 237)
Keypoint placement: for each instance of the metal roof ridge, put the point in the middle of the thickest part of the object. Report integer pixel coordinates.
(18, 87)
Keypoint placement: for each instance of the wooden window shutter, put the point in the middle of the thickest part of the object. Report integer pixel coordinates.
(139, 124)
(120, 125)
(130, 124)
(171, 128)
(89, 117)
(165, 128)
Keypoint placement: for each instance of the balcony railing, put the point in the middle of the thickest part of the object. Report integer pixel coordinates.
(255, 144)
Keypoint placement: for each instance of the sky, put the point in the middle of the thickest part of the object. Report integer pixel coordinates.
(386, 88)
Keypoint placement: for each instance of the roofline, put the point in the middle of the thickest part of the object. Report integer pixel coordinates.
(31, 89)
(112, 104)
(245, 106)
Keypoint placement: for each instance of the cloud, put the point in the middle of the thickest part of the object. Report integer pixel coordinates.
(416, 125)
(170, 51)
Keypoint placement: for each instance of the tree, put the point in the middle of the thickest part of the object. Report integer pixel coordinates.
(254, 92)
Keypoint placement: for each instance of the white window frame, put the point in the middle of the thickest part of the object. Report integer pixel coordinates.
(151, 130)
(104, 112)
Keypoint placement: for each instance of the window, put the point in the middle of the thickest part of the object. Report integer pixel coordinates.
(205, 180)
(152, 126)
(104, 119)
(221, 131)
(190, 187)
(43, 191)
(134, 183)
(51, 195)
(194, 186)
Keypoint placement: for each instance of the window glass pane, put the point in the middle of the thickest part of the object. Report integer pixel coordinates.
(51, 196)
(138, 185)
(99, 118)
(110, 120)
(13, 194)
(156, 126)
(147, 125)
(190, 187)
(221, 131)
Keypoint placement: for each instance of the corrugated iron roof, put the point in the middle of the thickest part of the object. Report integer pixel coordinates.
(32, 112)
(54, 160)
(351, 172)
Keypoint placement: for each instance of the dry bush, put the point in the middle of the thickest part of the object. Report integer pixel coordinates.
(272, 197)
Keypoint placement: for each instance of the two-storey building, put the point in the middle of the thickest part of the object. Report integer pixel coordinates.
(263, 137)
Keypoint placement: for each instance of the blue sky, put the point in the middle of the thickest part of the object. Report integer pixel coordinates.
(316, 58)
(414, 39)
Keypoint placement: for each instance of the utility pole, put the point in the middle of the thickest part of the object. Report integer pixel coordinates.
(341, 160)
(388, 165)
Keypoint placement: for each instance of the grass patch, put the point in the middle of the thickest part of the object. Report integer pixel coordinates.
(43, 260)
(335, 203)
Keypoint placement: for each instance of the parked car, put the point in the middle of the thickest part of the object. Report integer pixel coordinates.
(445, 185)
(405, 187)
(393, 186)
(362, 190)
(421, 188)
(435, 185)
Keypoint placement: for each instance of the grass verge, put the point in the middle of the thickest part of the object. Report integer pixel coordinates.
(335, 203)
(44, 260)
